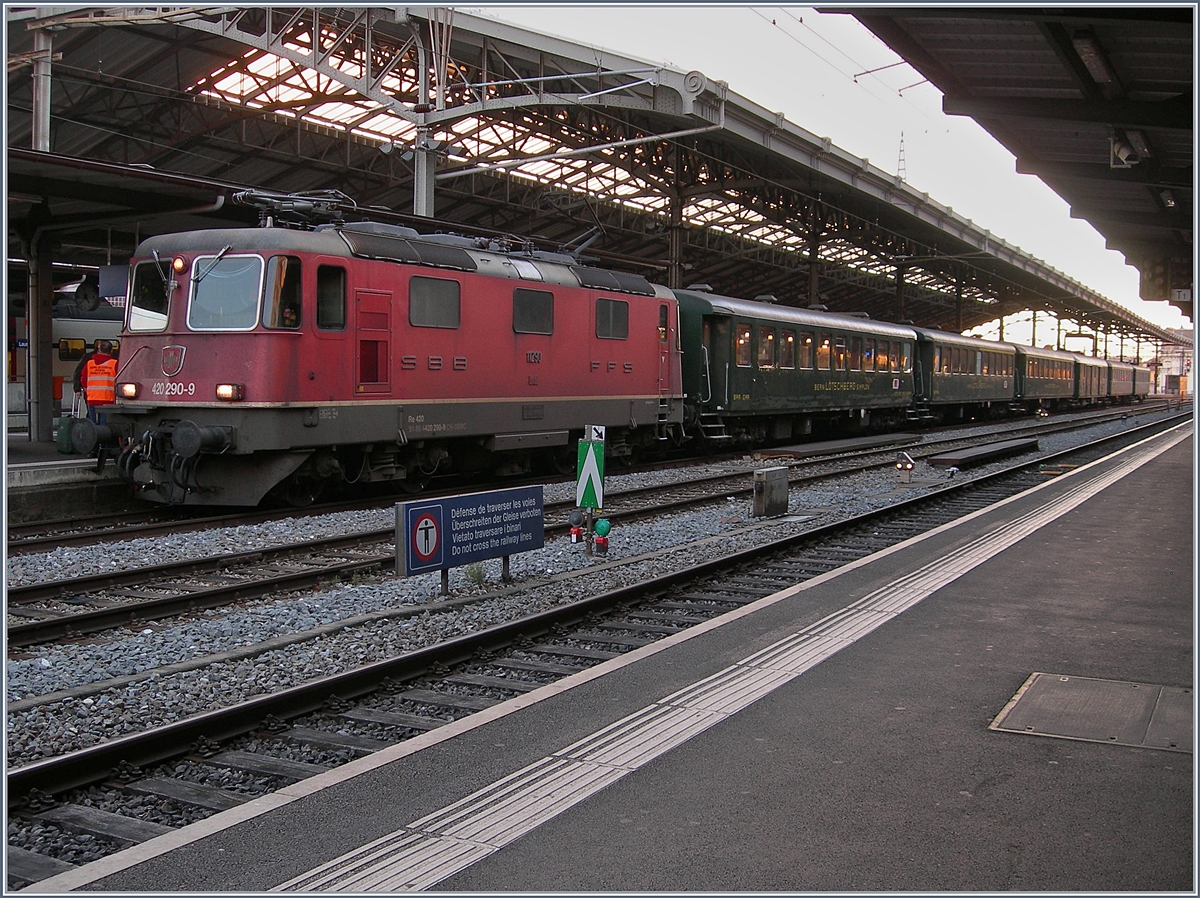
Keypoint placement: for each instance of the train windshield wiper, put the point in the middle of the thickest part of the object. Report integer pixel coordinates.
(197, 277)
(168, 283)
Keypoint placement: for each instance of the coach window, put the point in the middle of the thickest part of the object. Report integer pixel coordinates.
(840, 356)
(766, 347)
(533, 311)
(282, 306)
(856, 354)
(869, 354)
(742, 354)
(433, 302)
(906, 358)
(148, 296)
(882, 355)
(612, 319)
(824, 351)
(978, 362)
(787, 349)
(331, 298)
(806, 349)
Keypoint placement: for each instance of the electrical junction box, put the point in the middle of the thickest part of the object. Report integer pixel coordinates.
(770, 492)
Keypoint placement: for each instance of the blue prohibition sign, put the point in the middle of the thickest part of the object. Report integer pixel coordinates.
(425, 537)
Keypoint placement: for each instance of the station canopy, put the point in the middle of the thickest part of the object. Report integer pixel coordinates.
(1096, 101)
(157, 118)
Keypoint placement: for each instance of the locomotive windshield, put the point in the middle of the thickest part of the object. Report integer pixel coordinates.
(148, 297)
(225, 292)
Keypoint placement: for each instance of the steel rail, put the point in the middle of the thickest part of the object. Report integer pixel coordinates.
(87, 766)
(74, 625)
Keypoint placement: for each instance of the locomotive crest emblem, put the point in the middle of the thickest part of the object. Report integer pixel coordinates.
(172, 360)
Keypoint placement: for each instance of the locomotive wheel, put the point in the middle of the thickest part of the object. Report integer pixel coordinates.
(563, 460)
(414, 483)
(300, 491)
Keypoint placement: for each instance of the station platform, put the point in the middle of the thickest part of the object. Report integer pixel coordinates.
(1003, 704)
(42, 483)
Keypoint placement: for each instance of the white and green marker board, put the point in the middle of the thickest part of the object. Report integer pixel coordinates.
(589, 490)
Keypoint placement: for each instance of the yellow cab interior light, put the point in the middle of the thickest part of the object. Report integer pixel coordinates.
(127, 391)
(231, 392)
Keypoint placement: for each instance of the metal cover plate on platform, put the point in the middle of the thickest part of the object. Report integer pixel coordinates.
(1110, 711)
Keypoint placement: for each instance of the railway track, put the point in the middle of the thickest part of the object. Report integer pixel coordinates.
(87, 605)
(213, 761)
(99, 528)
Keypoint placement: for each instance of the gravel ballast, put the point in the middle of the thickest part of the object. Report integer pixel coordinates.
(637, 551)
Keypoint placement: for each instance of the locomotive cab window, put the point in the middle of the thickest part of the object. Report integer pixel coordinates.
(766, 347)
(225, 292)
(663, 320)
(742, 355)
(612, 319)
(433, 302)
(331, 298)
(149, 296)
(282, 306)
(533, 311)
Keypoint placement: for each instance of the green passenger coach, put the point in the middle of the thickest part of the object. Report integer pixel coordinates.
(750, 367)
(959, 377)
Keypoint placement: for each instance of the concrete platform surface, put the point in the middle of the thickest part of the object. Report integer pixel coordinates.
(833, 737)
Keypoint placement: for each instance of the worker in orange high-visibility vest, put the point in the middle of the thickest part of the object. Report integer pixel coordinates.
(99, 380)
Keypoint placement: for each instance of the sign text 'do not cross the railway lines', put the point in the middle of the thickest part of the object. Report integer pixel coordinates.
(438, 534)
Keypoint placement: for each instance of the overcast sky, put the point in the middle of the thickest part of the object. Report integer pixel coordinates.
(810, 66)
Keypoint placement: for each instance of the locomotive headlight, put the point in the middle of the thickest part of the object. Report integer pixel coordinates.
(179, 264)
(127, 391)
(231, 392)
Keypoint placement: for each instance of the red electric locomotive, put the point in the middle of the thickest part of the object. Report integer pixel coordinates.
(280, 360)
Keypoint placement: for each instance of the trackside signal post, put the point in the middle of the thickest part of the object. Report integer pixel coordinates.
(438, 534)
(589, 487)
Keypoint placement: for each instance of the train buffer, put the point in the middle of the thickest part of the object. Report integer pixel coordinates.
(964, 458)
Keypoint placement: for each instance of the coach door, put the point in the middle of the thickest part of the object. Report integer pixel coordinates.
(373, 310)
(714, 380)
